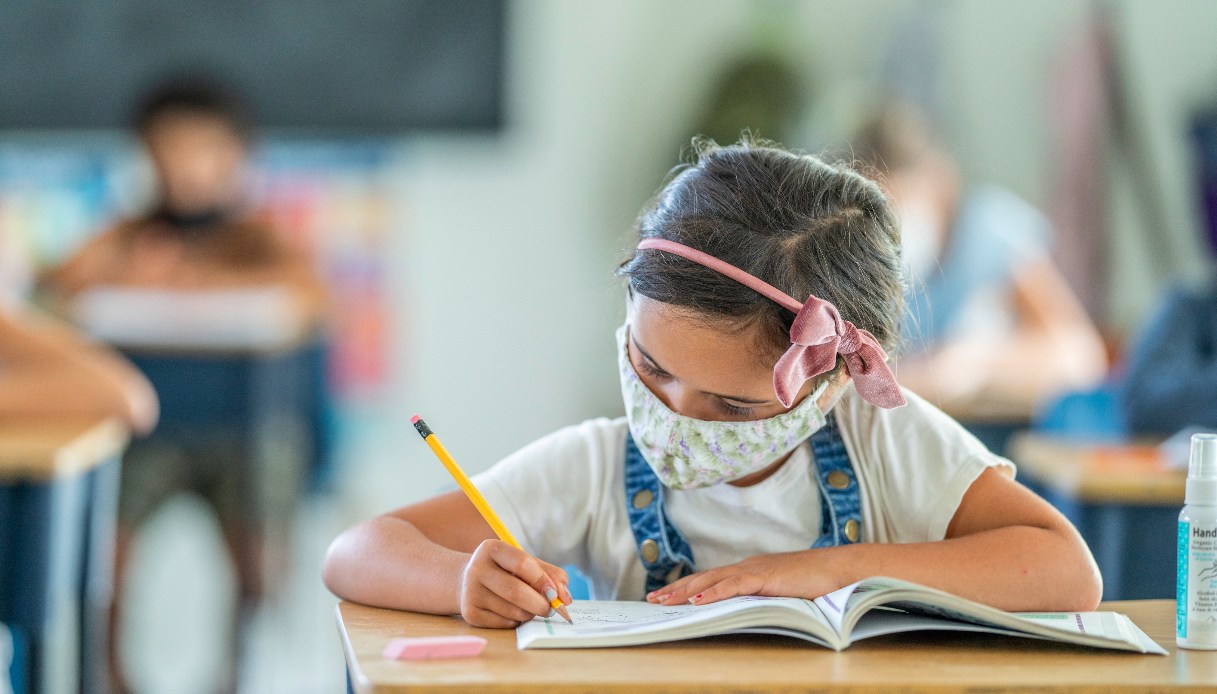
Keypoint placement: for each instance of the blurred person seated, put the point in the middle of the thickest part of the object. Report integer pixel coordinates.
(200, 239)
(200, 233)
(992, 329)
(48, 371)
(1171, 375)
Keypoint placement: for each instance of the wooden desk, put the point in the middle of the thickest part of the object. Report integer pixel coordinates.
(37, 450)
(58, 503)
(908, 663)
(994, 423)
(1129, 473)
(272, 400)
(989, 411)
(1122, 498)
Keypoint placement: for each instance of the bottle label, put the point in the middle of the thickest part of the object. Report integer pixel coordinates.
(1196, 619)
(1181, 580)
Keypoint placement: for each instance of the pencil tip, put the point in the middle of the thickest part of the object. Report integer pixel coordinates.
(414, 419)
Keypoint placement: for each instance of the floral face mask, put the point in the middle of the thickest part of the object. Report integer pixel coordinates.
(688, 453)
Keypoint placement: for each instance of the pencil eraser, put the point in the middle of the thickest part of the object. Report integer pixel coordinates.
(414, 419)
(428, 647)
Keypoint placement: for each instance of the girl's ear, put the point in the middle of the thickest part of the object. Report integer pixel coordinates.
(832, 394)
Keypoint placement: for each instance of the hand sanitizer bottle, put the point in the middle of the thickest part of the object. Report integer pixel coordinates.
(1196, 584)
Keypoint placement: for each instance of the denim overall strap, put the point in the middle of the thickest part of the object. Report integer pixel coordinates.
(840, 500)
(661, 547)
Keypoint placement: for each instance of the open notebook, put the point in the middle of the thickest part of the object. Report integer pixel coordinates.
(872, 607)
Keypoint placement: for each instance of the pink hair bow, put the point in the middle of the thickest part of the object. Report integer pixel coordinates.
(817, 336)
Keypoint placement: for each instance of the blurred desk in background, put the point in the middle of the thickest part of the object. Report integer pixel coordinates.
(244, 363)
(1123, 499)
(58, 500)
(994, 423)
(262, 409)
(268, 398)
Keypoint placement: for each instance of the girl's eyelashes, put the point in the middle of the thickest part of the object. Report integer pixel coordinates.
(736, 410)
(732, 410)
(652, 371)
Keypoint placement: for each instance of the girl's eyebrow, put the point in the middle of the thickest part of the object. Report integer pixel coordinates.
(737, 398)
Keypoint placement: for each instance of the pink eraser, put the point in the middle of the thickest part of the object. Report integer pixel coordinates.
(414, 419)
(425, 647)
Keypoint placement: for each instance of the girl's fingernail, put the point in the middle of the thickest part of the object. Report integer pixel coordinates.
(661, 598)
(551, 594)
(695, 598)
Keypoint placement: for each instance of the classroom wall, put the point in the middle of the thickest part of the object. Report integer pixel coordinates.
(1169, 65)
(1172, 70)
(503, 282)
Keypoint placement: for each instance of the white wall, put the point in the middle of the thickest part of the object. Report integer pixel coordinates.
(503, 285)
(1003, 55)
(1171, 63)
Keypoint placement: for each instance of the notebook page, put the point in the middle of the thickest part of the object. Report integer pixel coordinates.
(595, 621)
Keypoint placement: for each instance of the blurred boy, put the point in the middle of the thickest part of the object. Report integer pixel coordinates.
(199, 235)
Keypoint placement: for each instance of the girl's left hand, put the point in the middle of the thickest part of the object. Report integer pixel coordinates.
(804, 574)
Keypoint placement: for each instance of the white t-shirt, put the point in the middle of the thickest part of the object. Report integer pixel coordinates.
(563, 496)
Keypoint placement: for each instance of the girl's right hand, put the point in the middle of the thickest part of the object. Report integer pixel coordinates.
(503, 586)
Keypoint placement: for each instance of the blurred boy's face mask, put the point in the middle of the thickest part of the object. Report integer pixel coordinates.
(688, 453)
(921, 239)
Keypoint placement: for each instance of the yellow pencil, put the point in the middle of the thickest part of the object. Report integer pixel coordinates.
(475, 496)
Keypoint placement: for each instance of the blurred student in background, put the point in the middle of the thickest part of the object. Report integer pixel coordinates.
(47, 370)
(200, 234)
(1171, 382)
(991, 325)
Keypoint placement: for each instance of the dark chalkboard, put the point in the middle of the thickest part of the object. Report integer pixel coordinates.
(331, 66)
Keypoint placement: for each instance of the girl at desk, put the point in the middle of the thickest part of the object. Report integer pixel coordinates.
(766, 449)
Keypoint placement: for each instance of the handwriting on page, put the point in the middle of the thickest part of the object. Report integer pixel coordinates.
(611, 617)
(589, 616)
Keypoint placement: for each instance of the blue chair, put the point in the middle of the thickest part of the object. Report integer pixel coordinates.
(1132, 544)
(1090, 415)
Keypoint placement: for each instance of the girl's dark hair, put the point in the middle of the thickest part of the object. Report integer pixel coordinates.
(801, 224)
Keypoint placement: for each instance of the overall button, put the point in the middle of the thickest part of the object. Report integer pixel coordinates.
(643, 499)
(838, 479)
(650, 551)
(853, 530)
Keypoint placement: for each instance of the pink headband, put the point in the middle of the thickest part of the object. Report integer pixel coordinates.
(817, 336)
